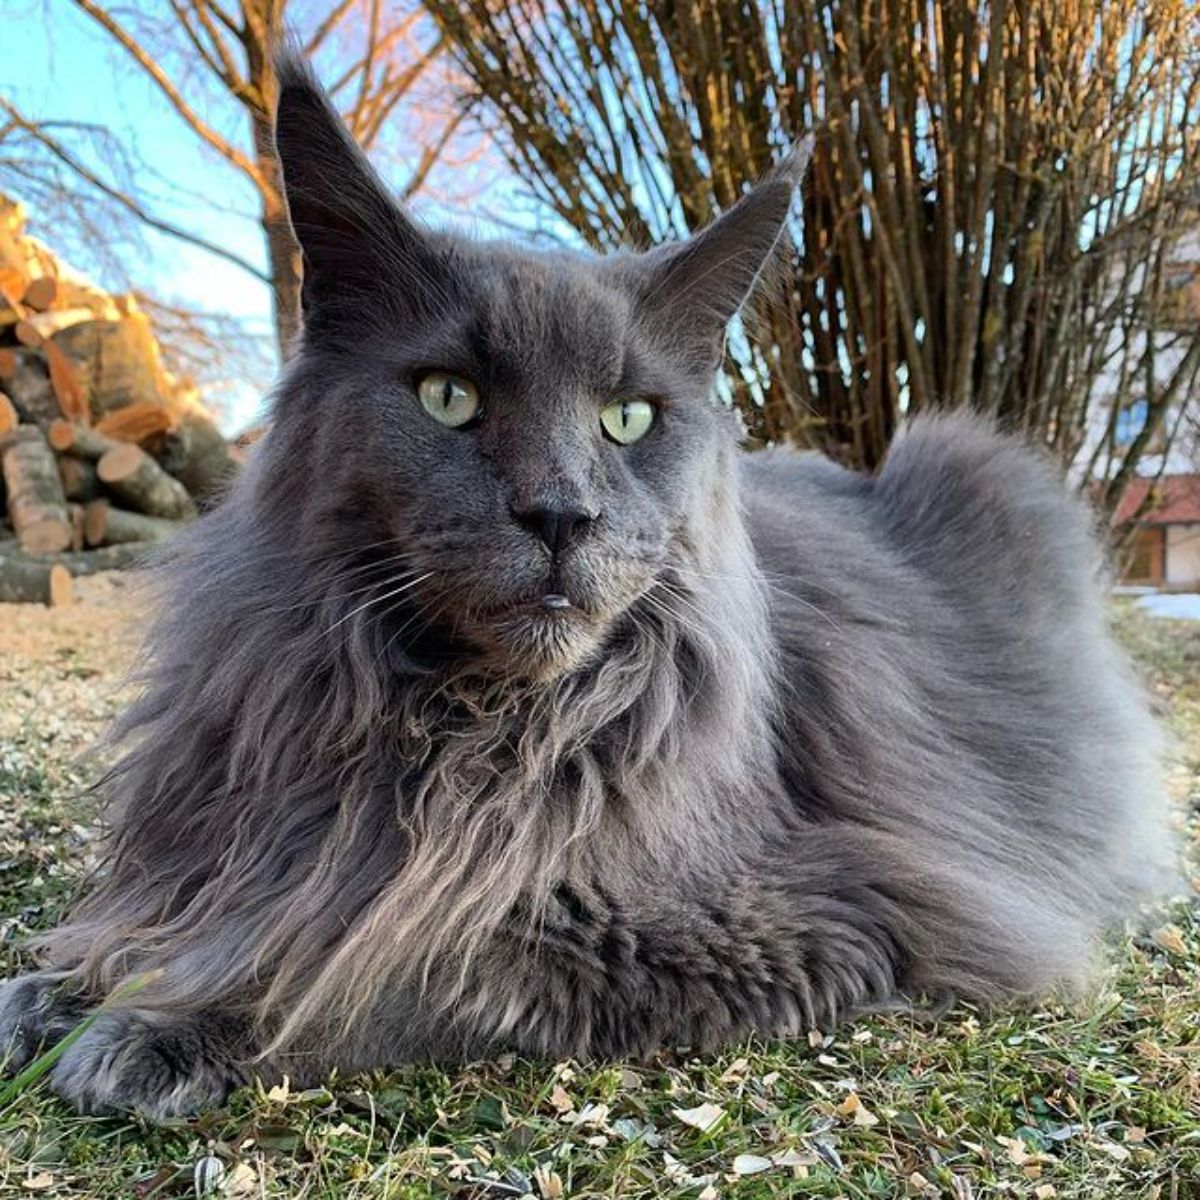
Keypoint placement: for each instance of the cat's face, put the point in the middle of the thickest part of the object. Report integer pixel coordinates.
(531, 434)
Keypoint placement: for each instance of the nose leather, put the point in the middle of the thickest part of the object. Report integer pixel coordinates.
(556, 526)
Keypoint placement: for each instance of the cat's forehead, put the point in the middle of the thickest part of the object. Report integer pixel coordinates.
(552, 310)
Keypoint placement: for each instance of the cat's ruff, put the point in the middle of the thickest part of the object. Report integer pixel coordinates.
(501, 718)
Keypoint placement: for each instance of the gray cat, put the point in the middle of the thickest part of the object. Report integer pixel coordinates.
(506, 705)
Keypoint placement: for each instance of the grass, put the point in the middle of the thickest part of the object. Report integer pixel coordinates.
(1100, 1100)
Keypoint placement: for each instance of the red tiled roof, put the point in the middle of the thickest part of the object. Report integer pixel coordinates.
(1174, 500)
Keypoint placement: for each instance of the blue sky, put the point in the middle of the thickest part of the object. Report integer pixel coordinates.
(56, 64)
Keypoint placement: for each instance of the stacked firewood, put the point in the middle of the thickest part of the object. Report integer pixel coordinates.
(103, 452)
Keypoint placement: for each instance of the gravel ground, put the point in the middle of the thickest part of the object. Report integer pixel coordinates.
(61, 668)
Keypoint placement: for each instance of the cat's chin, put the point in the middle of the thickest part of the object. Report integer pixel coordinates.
(541, 644)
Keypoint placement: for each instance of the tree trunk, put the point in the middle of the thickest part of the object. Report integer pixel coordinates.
(283, 255)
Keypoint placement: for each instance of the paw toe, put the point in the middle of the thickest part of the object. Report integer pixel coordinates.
(129, 1062)
(33, 1012)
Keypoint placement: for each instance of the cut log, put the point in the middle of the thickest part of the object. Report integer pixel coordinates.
(78, 477)
(69, 438)
(106, 558)
(34, 329)
(136, 422)
(41, 580)
(78, 520)
(37, 507)
(27, 384)
(134, 476)
(25, 580)
(41, 293)
(108, 526)
(68, 390)
(22, 433)
(12, 285)
(117, 362)
(197, 455)
(9, 417)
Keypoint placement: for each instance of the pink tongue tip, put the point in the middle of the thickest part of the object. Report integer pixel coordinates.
(555, 600)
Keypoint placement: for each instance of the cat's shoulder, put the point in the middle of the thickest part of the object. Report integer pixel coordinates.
(786, 475)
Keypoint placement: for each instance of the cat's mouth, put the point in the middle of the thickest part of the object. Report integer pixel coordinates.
(549, 609)
(542, 634)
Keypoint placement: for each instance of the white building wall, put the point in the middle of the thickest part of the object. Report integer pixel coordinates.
(1183, 555)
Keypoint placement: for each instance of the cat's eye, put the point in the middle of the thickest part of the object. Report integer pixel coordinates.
(627, 420)
(447, 398)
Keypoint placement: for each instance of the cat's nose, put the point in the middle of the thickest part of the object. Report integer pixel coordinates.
(556, 526)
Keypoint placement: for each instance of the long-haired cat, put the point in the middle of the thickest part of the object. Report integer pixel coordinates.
(506, 704)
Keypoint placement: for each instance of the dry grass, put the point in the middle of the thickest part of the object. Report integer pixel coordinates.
(1100, 1101)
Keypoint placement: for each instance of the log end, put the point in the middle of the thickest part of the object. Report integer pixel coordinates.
(61, 435)
(59, 586)
(95, 523)
(120, 462)
(51, 535)
(9, 417)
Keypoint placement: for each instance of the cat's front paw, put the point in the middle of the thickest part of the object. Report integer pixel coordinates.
(35, 1012)
(136, 1060)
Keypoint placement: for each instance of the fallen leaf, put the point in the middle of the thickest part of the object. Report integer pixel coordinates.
(678, 1174)
(550, 1185)
(589, 1116)
(242, 1181)
(1045, 1191)
(736, 1071)
(40, 1182)
(561, 1101)
(631, 1130)
(854, 1108)
(703, 1117)
(751, 1164)
(1170, 938)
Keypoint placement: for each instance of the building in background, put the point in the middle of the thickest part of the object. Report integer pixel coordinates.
(1163, 502)
(1165, 549)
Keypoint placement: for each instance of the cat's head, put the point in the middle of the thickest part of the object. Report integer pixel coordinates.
(529, 438)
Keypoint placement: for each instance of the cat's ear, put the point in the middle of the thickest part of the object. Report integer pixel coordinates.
(695, 287)
(350, 230)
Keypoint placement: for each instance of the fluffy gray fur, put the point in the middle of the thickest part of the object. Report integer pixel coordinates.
(806, 741)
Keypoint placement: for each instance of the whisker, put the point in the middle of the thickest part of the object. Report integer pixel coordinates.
(388, 563)
(377, 599)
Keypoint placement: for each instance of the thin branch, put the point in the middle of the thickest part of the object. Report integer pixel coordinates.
(144, 60)
(63, 155)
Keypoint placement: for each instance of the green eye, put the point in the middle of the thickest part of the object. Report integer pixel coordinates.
(627, 420)
(450, 399)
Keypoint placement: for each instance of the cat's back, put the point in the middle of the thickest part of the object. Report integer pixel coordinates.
(971, 519)
(953, 607)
